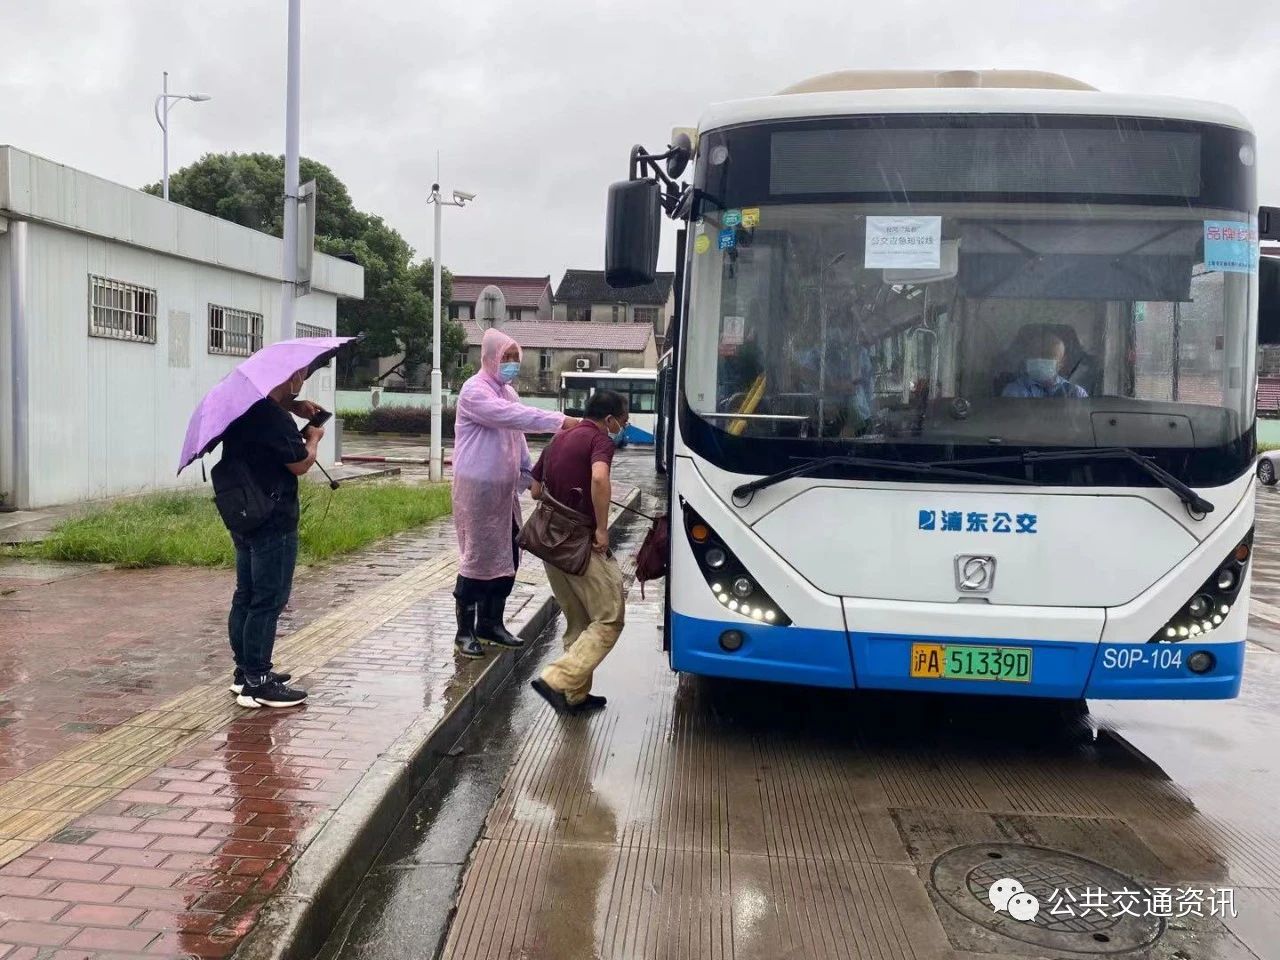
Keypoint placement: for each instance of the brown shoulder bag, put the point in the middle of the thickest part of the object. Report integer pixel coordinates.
(558, 535)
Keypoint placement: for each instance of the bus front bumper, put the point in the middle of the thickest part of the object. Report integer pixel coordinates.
(1059, 669)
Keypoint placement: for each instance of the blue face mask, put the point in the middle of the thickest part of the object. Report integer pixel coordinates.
(1042, 369)
(613, 434)
(508, 371)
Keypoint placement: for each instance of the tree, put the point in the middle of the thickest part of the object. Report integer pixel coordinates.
(395, 314)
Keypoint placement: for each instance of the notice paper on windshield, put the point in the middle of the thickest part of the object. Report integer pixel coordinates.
(904, 243)
(1231, 246)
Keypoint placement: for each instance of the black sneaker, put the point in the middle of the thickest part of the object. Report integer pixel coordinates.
(551, 695)
(237, 680)
(592, 702)
(272, 693)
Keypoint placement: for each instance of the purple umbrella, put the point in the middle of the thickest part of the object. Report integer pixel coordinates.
(250, 382)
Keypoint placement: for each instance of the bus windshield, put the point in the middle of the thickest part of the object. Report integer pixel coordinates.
(964, 326)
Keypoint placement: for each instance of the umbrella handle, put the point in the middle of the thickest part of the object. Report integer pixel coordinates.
(333, 484)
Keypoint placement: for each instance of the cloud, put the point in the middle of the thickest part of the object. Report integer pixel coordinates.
(534, 106)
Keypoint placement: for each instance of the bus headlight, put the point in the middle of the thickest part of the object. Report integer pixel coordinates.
(1209, 606)
(732, 584)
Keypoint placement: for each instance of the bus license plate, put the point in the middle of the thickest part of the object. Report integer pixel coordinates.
(937, 661)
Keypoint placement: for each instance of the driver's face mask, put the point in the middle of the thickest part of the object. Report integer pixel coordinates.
(1042, 369)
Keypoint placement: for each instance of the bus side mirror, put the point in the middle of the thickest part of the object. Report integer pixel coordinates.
(1268, 300)
(1269, 223)
(633, 225)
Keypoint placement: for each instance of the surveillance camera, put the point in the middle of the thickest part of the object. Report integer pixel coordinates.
(463, 196)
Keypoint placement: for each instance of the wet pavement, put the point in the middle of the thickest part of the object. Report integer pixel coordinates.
(698, 818)
(142, 813)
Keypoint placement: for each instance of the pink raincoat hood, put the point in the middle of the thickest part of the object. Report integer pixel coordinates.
(493, 345)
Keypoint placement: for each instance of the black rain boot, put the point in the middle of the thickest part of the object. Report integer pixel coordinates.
(489, 627)
(465, 639)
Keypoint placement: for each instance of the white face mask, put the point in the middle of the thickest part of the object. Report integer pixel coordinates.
(1042, 369)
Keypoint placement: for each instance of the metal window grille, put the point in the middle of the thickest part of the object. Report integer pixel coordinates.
(232, 332)
(121, 311)
(647, 315)
(310, 330)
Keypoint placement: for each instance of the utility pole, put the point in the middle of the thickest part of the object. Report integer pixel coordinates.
(293, 88)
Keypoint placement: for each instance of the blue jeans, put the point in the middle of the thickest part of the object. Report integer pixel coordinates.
(265, 560)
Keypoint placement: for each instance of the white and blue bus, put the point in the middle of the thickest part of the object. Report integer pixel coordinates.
(963, 393)
(638, 385)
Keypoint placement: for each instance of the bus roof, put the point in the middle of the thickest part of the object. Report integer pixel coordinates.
(915, 79)
(825, 97)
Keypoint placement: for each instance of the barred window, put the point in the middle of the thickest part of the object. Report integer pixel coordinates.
(232, 332)
(310, 330)
(121, 311)
(647, 315)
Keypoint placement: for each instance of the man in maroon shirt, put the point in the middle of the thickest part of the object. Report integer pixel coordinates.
(574, 469)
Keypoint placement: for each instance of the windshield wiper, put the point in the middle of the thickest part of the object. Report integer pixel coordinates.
(1157, 473)
(895, 466)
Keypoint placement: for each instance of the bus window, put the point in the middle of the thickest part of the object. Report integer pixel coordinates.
(576, 396)
(798, 328)
(643, 398)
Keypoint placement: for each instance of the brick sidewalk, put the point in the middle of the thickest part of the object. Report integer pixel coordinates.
(137, 822)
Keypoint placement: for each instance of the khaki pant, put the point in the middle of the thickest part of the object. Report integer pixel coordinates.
(593, 607)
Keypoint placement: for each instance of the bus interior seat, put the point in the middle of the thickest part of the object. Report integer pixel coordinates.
(1078, 365)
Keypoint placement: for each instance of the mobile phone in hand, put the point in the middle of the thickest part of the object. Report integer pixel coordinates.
(320, 419)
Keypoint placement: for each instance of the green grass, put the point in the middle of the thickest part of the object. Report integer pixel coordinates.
(183, 528)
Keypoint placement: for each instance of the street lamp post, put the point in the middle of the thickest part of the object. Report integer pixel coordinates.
(163, 103)
(292, 159)
(460, 198)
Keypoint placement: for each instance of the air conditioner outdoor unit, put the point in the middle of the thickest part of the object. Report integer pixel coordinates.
(582, 363)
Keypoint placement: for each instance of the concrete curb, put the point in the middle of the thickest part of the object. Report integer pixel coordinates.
(424, 437)
(416, 461)
(295, 923)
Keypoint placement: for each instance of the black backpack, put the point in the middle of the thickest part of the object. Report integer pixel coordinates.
(242, 503)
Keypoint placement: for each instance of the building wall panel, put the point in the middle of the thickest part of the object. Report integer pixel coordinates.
(108, 417)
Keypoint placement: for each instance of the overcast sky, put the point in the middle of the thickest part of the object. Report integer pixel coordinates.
(534, 104)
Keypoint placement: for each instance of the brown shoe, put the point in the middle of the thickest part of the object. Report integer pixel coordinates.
(551, 695)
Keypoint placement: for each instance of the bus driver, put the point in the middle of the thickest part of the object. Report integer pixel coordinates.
(1042, 371)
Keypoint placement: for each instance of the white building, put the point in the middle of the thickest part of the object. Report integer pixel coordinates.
(118, 311)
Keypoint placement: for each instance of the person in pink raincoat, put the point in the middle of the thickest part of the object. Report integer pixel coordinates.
(491, 468)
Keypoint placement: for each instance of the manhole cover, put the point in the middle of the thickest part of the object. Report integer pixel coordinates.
(1084, 907)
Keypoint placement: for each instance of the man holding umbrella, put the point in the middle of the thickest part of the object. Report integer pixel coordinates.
(266, 440)
(256, 490)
